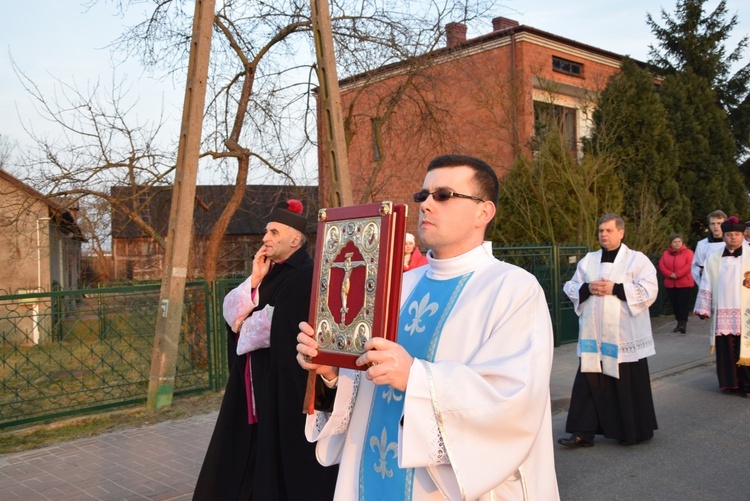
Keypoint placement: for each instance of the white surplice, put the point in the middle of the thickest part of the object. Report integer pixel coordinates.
(702, 249)
(641, 287)
(719, 292)
(476, 421)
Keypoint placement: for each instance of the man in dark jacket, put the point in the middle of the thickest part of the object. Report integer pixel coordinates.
(258, 450)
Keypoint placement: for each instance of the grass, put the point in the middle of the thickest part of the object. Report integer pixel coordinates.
(41, 435)
(101, 359)
(96, 350)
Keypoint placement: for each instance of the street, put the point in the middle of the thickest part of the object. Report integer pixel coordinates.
(701, 450)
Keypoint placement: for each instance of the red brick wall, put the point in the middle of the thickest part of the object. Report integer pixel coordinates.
(479, 104)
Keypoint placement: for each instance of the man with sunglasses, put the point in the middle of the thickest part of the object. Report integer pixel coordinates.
(459, 407)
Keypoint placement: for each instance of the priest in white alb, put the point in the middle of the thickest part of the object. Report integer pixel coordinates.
(611, 291)
(724, 295)
(459, 408)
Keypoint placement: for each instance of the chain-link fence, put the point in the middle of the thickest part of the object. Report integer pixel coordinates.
(71, 352)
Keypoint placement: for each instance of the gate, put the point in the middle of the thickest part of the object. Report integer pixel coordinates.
(552, 266)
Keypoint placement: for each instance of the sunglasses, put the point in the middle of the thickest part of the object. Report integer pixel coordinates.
(441, 195)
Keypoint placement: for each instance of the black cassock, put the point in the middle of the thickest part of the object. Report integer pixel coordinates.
(271, 459)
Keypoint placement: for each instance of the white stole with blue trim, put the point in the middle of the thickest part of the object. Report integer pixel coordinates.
(421, 322)
(595, 356)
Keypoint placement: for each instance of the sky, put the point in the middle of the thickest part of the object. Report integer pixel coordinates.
(53, 41)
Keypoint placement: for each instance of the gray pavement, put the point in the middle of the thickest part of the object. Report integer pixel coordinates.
(162, 461)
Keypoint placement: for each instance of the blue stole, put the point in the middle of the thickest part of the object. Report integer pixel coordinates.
(420, 323)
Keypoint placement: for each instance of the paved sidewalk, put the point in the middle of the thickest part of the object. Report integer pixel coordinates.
(675, 353)
(162, 461)
(156, 462)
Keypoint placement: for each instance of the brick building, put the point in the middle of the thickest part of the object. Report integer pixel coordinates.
(40, 241)
(484, 96)
(40, 251)
(136, 256)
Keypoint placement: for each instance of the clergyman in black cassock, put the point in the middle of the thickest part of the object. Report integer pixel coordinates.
(269, 459)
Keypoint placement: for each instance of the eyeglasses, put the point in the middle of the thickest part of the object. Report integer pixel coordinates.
(441, 195)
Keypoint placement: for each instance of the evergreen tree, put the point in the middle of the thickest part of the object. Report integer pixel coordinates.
(708, 171)
(695, 41)
(551, 198)
(631, 125)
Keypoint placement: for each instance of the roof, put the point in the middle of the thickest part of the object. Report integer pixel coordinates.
(250, 219)
(63, 217)
(474, 44)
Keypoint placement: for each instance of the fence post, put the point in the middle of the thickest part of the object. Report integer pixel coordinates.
(556, 307)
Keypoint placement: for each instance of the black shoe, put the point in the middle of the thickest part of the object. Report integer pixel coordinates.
(574, 442)
(683, 329)
(677, 329)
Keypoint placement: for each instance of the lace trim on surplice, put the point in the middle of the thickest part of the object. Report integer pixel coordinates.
(640, 293)
(344, 424)
(637, 345)
(728, 321)
(438, 454)
(703, 302)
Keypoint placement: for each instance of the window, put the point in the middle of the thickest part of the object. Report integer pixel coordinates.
(565, 66)
(547, 115)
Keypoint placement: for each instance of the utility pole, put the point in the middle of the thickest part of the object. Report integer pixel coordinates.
(332, 128)
(169, 318)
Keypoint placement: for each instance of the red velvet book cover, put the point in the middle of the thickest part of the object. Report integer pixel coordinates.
(357, 279)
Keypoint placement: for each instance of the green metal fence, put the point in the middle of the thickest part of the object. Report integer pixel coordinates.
(552, 266)
(72, 352)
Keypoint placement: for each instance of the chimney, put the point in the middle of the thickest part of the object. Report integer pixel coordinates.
(455, 33)
(502, 23)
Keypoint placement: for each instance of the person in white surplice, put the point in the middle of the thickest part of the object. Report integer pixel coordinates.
(724, 296)
(459, 408)
(704, 247)
(611, 291)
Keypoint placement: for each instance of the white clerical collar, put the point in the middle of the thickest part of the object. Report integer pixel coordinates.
(452, 267)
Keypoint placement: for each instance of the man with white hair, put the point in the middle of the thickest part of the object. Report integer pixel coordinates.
(258, 450)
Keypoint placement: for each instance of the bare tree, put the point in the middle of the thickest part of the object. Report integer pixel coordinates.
(97, 148)
(259, 110)
(6, 151)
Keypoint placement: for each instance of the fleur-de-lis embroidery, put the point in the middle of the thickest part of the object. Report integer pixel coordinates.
(420, 309)
(392, 394)
(383, 447)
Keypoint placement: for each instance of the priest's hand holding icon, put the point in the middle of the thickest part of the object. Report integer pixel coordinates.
(307, 348)
(389, 363)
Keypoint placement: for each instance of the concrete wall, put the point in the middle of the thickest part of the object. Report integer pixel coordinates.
(24, 241)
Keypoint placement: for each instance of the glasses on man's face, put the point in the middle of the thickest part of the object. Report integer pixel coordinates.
(441, 195)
